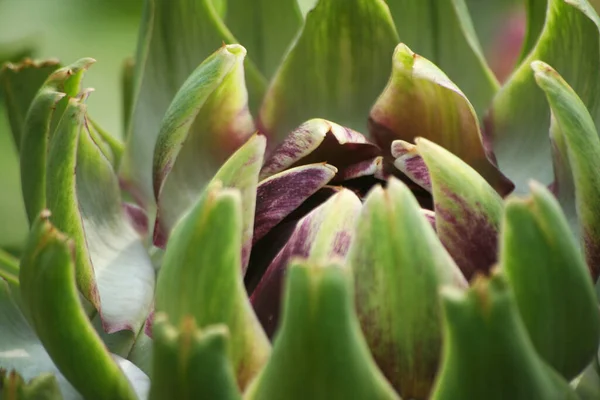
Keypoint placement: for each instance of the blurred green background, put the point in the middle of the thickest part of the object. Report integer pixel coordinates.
(107, 31)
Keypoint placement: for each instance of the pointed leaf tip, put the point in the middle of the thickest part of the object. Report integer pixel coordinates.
(550, 279)
(399, 265)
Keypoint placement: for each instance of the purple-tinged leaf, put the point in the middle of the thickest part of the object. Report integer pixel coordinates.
(319, 140)
(207, 121)
(430, 216)
(399, 266)
(280, 194)
(409, 162)
(114, 271)
(468, 210)
(371, 167)
(323, 235)
(137, 218)
(421, 101)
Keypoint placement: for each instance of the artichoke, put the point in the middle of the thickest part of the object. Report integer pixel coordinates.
(345, 203)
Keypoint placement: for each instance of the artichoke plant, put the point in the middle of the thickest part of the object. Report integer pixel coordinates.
(330, 199)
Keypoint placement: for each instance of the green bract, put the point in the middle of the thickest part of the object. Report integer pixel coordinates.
(330, 199)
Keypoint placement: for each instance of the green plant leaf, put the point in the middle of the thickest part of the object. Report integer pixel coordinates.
(399, 265)
(46, 110)
(550, 280)
(574, 132)
(190, 363)
(201, 277)
(319, 351)
(176, 36)
(141, 354)
(19, 84)
(322, 236)
(519, 120)
(335, 69)
(42, 387)
(420, 100)
(20, 349)
(587, 385)
(266, 28)
(9, 267)
(113, 269)
(442, 32)
(206, 122)
(536, 18)
(51, 298)
(487, 347)
(468, 210)
(127, 92)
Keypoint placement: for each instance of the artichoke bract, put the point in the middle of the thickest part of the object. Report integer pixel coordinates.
(312, 199)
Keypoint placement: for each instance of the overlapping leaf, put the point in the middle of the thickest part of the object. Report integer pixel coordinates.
(488, 354)
(175, 37)
(51, 298)
(468, 210)
(520, 117)
(420, 100)
(113, 269)
(200, 277)
(206, 122)
(335, 69)
(318, 315)
(442, 31)
(577, 161)
(552, 286)
(324, 235)
(190, 363)
(399, 265)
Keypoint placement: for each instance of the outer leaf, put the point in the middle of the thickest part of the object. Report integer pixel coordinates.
(420, 100)
(49, 294)
(19, 84)
(576, 131)
(43, 387)
(322, 236)
(282, 193)
(206, 122)
(467, 210)
(554, 293)
(189, 363)
(335, 70)
(21, 350)
(200, 276)
(319, 352)
(487, 346)
(41, 120)
(112, 268)
(520, 117)
(398, 265)
(176, 36)
(266, 28)
(442, 31)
